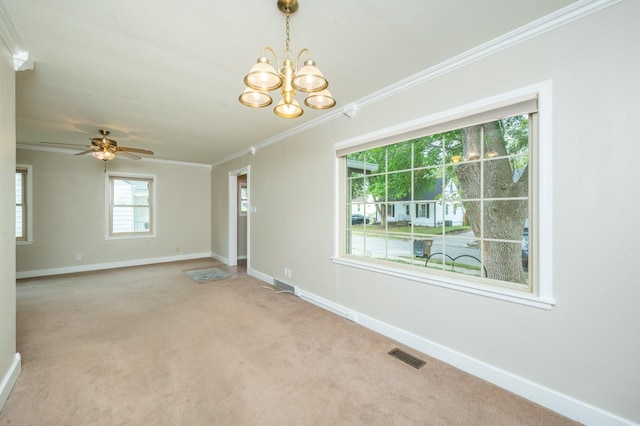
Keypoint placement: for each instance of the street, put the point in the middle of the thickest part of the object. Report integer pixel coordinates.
(376, 247)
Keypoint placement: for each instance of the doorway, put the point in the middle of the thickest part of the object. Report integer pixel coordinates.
(239, 216)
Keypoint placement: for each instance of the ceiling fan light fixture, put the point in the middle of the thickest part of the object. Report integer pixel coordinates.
(104, 155)
(263, 78)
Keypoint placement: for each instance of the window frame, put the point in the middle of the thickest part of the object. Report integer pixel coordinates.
(27, 212)
(541, 293)
(153, 217)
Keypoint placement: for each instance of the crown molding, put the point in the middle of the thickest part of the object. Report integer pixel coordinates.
(536, 28)
(144, 159)
(8, 33)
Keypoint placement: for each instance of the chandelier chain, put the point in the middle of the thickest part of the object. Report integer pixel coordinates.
(288, 35)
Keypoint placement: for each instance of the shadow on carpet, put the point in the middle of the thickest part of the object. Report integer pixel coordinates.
(208, 274)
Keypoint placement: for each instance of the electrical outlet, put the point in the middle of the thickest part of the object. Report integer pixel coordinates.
(286, 272)
(177, 249)
(78, 257)
(289, 273)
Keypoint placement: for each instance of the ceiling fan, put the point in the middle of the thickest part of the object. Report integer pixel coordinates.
(106, 149)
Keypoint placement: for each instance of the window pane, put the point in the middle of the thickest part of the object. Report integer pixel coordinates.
(375, 160)
(131, 219)
(19, 186)
(131, 192)
(399, 156)
(355, 164)
(357, 189)
(427, 151)
(399, 186)
(504, 261)
(427, 183)
(516, 134)
(505, 219)
(467, 178)
(19, 223)
(452, 187)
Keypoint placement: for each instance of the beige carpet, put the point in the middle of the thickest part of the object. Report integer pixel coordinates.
(149, 346)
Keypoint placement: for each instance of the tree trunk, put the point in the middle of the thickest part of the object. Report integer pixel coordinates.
(381, 209)
(503, 219)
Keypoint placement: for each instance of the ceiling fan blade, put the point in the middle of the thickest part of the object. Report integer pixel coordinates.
(129, 156)
(85, 152)
(64, 144)
(138, 150)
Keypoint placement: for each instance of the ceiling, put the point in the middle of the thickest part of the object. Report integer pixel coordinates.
(166, 75)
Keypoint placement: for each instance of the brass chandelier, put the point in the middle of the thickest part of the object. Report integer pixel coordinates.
(263, 78)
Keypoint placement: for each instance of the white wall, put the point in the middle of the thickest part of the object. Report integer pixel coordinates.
(9, 360)
(69, 214)
(582, 354)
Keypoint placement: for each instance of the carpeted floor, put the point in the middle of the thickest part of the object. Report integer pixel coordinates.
(149, 346)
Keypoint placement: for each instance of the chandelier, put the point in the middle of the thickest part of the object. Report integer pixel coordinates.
(263, 78)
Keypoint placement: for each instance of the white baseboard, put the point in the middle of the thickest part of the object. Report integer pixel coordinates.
(222, 259)
(9, 380)
(109, 265)
(553, 400)
(259, 275)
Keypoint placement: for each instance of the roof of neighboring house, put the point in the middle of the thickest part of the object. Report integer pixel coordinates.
(427, 195)
(361, 166)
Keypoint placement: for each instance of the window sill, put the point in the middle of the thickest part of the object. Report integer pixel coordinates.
(505, 294)
(23, 243)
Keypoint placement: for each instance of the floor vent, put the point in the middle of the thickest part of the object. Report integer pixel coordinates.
(406, 358)
(284, 286)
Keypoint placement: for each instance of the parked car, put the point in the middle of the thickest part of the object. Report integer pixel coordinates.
(358, 219)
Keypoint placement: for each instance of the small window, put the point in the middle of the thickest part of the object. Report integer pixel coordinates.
(131, 208)
(24, 222)
(243, 198)
(21, 205)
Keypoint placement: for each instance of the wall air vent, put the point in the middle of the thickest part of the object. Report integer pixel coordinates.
(284, 286)
(407, 358)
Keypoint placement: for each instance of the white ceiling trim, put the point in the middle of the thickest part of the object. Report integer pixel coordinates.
(145, 159)
(555, 20)
(8, 33)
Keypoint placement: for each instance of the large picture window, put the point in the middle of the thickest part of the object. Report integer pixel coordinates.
(131, 206)
(454, 202)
